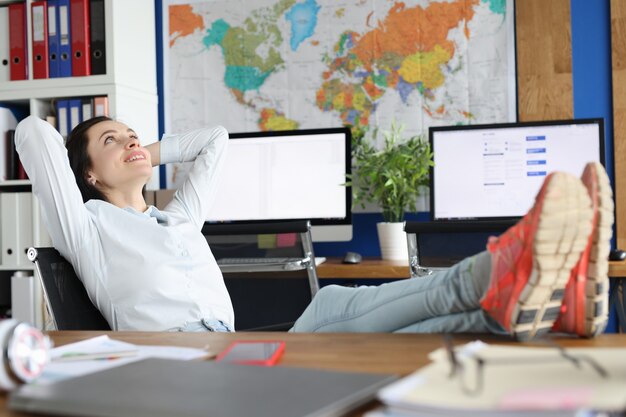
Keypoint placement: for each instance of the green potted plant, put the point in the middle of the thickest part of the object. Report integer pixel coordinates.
(393, 178)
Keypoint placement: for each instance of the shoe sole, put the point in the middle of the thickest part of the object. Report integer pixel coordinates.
(562, 234)
(597, 286)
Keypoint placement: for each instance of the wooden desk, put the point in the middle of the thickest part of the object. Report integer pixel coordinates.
(376, 268)
(369, 268)
(398, 354)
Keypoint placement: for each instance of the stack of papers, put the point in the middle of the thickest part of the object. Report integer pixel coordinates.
(102, 352)
(515, 381)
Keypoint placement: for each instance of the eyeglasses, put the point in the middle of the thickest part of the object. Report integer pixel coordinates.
(473, 385)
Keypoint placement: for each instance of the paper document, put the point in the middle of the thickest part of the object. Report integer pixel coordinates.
(503, 379)
(102, 352)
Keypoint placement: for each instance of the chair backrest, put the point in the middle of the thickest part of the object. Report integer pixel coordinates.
(266, 297)
(64, 293)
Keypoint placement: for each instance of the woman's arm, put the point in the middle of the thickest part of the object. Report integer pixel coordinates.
(206, 148)
(44, 157)
(155, 153)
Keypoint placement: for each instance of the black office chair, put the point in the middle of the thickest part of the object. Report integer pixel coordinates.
(66, 299)
(263, 301)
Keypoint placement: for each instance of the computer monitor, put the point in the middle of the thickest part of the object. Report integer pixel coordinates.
(493, 172)
(288, 175)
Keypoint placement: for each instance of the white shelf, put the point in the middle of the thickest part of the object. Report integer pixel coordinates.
(17, 267)
(129, 82)
(130, 54)
(48, 87)
(16, 183)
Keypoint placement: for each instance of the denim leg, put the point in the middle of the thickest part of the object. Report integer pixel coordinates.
(401, 304)
(476, 321)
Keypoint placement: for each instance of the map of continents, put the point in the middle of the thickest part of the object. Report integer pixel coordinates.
(284, 64)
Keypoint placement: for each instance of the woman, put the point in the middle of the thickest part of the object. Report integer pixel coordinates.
(147, 269)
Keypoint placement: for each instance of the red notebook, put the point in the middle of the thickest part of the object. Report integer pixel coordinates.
(79, 28)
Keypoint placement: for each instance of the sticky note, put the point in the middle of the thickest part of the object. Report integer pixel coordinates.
(267, 241)
(286, 240)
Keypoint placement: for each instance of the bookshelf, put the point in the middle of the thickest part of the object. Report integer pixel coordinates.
(129, 84)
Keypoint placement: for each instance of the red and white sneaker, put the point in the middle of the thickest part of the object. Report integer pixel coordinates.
(532, 261)
(585, 308)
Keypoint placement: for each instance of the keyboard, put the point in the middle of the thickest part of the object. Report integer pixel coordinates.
(256, 261)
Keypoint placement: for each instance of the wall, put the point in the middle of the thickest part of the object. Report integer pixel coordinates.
(618, 63)
(591, 63)
(555, 80)
(551, 83)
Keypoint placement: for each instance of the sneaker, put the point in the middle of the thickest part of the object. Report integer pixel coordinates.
(532, 261)
(585, 309)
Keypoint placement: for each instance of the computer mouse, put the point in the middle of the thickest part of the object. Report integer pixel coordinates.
(617, 255)
(352, 258)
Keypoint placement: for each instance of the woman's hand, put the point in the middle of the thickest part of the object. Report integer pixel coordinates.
(155, 153)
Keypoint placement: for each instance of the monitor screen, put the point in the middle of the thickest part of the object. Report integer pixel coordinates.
(490, 172)
(288, 175)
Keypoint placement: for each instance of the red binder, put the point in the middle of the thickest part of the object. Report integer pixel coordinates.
(17, 41)
(79, 28)
(39, 13)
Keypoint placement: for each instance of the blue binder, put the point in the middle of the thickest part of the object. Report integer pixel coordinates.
(53, 38)
(76, 113)
(65, 38)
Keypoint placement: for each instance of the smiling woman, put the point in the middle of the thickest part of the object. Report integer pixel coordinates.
(143, 268)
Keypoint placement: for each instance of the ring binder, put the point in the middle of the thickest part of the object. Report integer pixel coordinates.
(17, 41)
(65, 39)
(79, 28)
(39, 13)
(5, 54)
(98, 42)
(53, 38)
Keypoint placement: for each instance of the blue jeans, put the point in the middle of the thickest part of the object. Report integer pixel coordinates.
(445, 302)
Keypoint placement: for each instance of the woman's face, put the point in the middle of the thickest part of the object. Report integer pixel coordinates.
(117, 158)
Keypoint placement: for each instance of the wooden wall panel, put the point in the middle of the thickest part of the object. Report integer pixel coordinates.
(544, 60)
(618, 44)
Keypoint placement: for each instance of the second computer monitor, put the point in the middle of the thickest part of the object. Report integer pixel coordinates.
(287, 175)
(487, 172)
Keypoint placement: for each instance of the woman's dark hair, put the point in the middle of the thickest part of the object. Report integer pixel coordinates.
(80, 162)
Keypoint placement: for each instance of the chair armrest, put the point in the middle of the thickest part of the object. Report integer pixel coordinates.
(414, 228)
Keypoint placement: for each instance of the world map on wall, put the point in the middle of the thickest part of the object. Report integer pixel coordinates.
(254, 65)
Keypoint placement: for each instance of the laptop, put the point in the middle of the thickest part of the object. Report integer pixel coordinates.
(164, 388)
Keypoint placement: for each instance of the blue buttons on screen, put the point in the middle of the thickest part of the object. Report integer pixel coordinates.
(536, 150)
